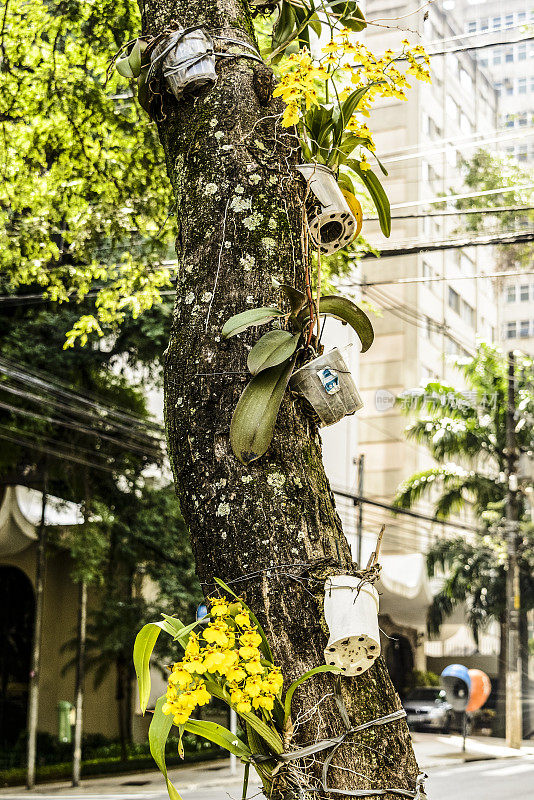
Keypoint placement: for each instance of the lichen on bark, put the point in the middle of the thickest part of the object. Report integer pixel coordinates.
(238, 206)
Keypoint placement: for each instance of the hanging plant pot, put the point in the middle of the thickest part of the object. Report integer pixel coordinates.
(187, 61)
(352, 618)
(331, 222)
(327, 384)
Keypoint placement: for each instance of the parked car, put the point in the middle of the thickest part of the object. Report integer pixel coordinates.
(427, 709)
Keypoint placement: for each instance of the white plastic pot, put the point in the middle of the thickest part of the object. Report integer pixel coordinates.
(352, 619)
(188, 62)
(331, 222)
(327, 384)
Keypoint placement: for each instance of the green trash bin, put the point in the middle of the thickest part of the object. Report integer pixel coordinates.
(65, 720)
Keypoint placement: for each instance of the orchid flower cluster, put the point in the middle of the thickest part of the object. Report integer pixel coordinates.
(346, 65)
(227, 651)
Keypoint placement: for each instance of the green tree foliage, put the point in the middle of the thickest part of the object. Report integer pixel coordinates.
(487, 171)
(465, 433)
(83, 188)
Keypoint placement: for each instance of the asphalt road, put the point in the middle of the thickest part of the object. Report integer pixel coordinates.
(502, 779)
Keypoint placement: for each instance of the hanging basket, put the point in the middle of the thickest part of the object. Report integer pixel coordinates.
(352, 618)
(327, 384)
(187, 61)
(331, 223)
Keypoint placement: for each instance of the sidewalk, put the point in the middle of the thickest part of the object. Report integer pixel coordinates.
(431, 750)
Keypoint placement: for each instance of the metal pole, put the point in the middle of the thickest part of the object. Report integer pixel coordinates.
(233, 730)
(80, 683)
(33, 694)
(361, 463)
(514, 720)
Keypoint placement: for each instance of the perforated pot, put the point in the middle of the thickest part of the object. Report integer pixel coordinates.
(327, 384)
(187, 62)
(351, 614)
(331, 222)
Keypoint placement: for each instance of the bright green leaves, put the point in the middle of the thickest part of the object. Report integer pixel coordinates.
(346, 311)
(378, 195)
(307, 675)
(249, 319)
(254, 418)
(143, 647)
(272, 349)
(158, 733)
(220, 736)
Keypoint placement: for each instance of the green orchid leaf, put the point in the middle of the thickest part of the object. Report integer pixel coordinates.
(378, 195)
(247, 319)
(270, 736)
(181, 634)
(142, 651)
(220, 736)
(135, 59)
(284, 26)
(143, 94)
(272, 349)
(348, 13)
(344, 182)
(346, 311)
(265, 646)
(346, 110)
(290, 692)
(252, 426)
(296, 298)
(158, 733)
(123, 67)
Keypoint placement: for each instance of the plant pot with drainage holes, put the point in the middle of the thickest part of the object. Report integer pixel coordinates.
(331, 222)
(187, 61)
(351, 613)
(327, 385)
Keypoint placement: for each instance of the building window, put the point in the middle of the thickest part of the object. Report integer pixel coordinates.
(524, 293)
(522, 152)
(522, 86)
(510, 294)
(522, 52)
(472, 26)
(496, 23)
(498, 88)
(509, 87)
(510, 330)
(497, 56)
(524, 328)
(509, 120)
(509, 56)
(509, 20)
(522, 119)
(468, 314)
(428, 272)
(454, 300)
(521, 17)
(484, 24)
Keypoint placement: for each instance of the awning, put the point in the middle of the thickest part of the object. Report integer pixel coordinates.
(20, 515)
(404, 589)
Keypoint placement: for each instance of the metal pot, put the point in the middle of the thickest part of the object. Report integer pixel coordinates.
(187, 61)
(331, 222)
(327, 384)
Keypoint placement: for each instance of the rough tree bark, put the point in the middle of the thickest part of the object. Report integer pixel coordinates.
(238, 204)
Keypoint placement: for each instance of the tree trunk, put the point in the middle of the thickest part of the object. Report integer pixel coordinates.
(122, 697)
(33, 694)
(528, 725)
(499, 725)
(248, 524)
(80, 682)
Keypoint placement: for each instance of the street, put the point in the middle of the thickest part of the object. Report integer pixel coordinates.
(493, 779)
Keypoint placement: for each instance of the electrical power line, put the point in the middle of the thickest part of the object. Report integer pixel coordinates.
(452, 244)
(437, 278)
(466, 196)
(460, 212)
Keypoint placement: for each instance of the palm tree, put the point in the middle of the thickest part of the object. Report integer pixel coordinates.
(465, 432)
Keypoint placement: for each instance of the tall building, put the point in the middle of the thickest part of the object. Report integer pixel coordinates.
(509, 62)
(432, 308)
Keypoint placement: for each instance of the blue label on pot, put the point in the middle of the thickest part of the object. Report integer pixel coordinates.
(330, 380)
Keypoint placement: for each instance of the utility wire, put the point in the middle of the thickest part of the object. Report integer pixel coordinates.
(400, 281)
(452, 244)
(466, 196)
(460, 213)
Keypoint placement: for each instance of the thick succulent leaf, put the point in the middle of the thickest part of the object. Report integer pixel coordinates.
(378, 195)
(273, 348)
(290, 692)
(220, 736)
(252, 427)
(345, 183)
(284, 26)
(355, 207)
(346, 311)
(143, 94)
(158, 733)
(348, 13)
(296, 298)
(135, 59)
(123, 67)
(247, 319)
